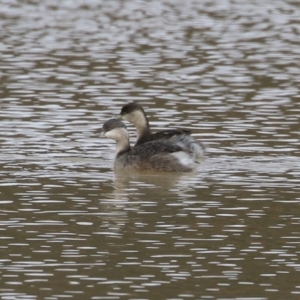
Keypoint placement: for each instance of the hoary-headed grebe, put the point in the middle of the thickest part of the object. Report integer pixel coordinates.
(135, 114)
(156, 155)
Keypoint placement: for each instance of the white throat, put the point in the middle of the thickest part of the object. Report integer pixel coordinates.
(120, 135)
(138, 119)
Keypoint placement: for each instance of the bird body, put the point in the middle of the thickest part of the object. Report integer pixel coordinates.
(135, 114)
(156, 155)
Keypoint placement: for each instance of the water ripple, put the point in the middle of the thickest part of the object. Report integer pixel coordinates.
(69, 225)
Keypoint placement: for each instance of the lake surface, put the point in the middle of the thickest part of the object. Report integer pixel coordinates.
(72, 229)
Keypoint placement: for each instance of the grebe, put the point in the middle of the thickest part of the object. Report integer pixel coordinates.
(135, 114)
(156, 155)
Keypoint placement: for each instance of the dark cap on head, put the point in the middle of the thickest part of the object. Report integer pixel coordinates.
(130, 107)
(112, 124)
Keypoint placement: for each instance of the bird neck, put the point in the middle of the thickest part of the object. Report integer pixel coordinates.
(122, 145)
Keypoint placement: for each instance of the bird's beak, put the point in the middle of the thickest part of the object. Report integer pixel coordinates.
(102, 133)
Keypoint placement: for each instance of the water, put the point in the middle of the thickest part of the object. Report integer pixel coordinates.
(71, 228)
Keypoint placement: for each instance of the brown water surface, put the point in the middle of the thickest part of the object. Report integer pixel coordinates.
(71, 229)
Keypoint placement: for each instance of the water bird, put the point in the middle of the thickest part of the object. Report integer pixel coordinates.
(135, 114)
(155, 155)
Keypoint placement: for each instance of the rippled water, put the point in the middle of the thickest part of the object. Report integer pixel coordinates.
(70, 228)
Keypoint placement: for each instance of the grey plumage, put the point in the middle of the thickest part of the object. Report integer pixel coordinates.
(135, 114)
(155, 155)
(112, 124)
